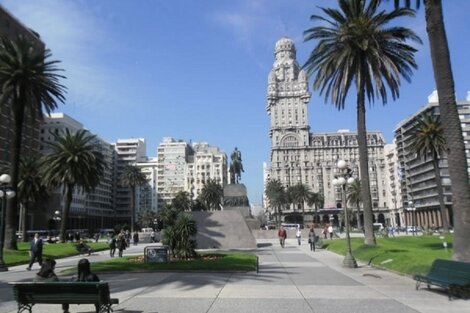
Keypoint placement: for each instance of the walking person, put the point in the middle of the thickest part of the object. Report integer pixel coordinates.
(330, 231)
(299, 235)
(35, 251)
(112, 246)
(121, 244)
(152, 236)
(282, 234)
(325, 232)
(311, 239)
(135, 238)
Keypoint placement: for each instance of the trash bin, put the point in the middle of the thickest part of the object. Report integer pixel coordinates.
(156, 254)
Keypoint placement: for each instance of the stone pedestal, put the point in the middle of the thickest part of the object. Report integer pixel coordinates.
(235, 198)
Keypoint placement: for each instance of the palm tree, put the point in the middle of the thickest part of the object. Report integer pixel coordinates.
(300, 194)
(182, 201)
(132, 177)
(29, 83)
(316, 199)
(31, 188)
(211, 194)
(356, 48)
(277, 197)
(353, 195)
(456, 156)
(428, 140)
(74, 163)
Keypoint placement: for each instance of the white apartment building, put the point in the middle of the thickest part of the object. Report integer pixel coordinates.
(418, 183)
(91, 210)
(298, 156)
(205, 162)
(172, 157)
(186, 167)
(146, 196)
(393, 182)
(128, 152)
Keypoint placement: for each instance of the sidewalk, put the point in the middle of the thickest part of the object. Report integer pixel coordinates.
(290, 280)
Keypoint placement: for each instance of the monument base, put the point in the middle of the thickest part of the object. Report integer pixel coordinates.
(236, 199)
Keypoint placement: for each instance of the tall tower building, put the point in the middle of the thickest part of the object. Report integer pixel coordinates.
(171, 170)
(128, 152)
(301, 157)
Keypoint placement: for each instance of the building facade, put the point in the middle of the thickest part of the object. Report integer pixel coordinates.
(11, 28)
(418, 184)
(91, 210)
(299, 156)
(128, 152)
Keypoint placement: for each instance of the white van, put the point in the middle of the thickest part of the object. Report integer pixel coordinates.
(378, 226)
(147, 230)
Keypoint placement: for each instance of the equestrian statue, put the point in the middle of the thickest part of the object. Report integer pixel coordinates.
(236, 167)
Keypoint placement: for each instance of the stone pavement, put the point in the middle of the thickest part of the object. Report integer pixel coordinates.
(292, 279)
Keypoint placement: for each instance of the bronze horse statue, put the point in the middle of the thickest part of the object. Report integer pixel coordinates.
(236, 168)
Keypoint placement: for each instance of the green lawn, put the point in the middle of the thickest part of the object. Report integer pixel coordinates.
(55, 250)
(230, 261)
(406, 254)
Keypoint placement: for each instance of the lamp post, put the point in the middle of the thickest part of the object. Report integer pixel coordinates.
(412, 208)
(344, 177)
(6, 192)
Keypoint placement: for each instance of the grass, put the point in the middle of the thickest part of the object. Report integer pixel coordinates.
(230, 261)
(406, 254)
(55, 250)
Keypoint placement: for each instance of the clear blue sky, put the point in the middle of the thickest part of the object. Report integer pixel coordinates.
(197, 70)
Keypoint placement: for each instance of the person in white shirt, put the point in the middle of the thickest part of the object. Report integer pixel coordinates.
(299, 235)
(330, 231)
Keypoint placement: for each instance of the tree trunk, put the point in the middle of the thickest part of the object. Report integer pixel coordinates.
(132, 208)
(458, 168)
(18, 104)
(65, 215)
(23, 213)
(358, 216)
(369, 237)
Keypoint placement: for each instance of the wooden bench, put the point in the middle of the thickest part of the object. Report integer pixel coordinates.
(29, 294)
(454, 276)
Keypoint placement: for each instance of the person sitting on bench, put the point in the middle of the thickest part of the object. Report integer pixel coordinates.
(83, 248)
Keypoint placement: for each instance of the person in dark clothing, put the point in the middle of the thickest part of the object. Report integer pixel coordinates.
(121, 244)
(46, 273)
(35, 251)
(135, 238)
(112, 246)
(83, 274)
(83, 248)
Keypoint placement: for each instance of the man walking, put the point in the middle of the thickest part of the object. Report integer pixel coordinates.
(282, 234)
(35, 251)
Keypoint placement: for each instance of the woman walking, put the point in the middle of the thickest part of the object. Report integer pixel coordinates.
(311, 239)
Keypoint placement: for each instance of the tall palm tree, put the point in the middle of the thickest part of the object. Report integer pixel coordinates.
(73, 164)
(456, 157)
(353, 196)
(212, 194)
(428, 140)
(300, 193)
(182, 201)
(355, 48)
(132, 177)
(277, 197)
(31, 188)
(29, 84)
(317, 200)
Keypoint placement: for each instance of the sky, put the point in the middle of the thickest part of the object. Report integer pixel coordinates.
(197, 70)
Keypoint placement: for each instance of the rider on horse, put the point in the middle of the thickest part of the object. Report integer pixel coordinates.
(236, 168)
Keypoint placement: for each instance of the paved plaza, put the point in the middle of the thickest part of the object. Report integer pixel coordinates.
(290, 280)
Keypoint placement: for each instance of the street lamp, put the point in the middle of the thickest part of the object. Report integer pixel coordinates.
(344, 177)
(412, 208)
(6, 192)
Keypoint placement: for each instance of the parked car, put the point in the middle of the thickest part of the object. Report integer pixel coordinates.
(413, 229)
